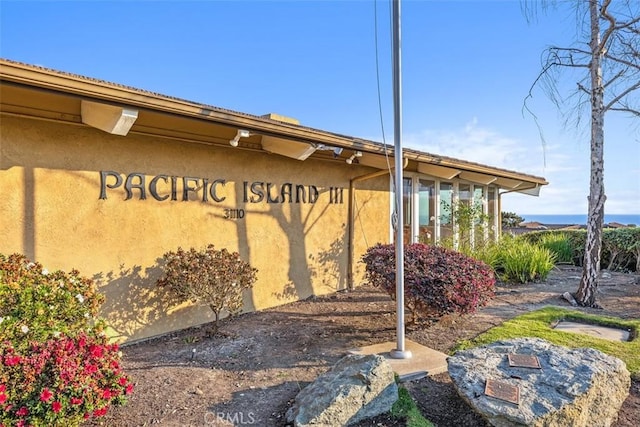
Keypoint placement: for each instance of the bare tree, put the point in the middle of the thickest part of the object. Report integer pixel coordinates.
(610, 64)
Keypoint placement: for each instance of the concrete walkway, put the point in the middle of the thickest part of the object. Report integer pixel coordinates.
(424, 361)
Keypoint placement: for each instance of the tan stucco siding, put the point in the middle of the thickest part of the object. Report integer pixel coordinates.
(371, 221)
(51, 210)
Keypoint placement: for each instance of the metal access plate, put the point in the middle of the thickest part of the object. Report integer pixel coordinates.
(523, 361)
(503, 391)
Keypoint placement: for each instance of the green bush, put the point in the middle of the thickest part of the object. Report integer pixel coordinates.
(211, 277)
(437, 281)
(36, 305)
(520, 261)
(488, 253)
(620, 246)
(559, 245)
(57, 367)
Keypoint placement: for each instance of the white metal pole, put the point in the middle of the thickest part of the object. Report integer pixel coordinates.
(399, 352)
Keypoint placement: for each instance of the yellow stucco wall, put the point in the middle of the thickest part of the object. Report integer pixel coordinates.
(51, 211)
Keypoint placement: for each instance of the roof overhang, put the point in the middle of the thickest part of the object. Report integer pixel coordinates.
(36, 92)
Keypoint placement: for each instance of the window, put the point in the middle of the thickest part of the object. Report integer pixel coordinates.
(407, 206)
(492, 212)
(426, 211)
(446, 210)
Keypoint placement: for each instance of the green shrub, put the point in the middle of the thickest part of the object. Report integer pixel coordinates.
(522, 262)
(559, 245)
(437, 281)
(36, 304)
(489, 253)
(622, 248)
(211, 277)
(57, 367)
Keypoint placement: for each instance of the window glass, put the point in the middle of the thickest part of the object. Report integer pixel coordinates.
(406, 200)
(446, 205)
(464, 216)
(407, 206)
(491, 211)
(426, 210)
(480, 222)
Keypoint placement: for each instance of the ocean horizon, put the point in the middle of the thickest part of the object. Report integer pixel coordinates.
(626, 219)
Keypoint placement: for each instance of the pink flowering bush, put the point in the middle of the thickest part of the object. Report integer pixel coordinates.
(61, 381)
(57, 368)
(437, 281)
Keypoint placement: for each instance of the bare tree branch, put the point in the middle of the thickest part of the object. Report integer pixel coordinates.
(626, 110)
(627, 25)
(609, 31)
(569, 50)
(614, 78)
(622, 61)
(583, 89)
(622, 95)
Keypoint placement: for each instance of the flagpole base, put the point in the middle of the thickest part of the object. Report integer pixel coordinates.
(400, 354)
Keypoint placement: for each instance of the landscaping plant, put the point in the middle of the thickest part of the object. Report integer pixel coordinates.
(620, 246)
(437, 281)
(211, 277)
(520, 261)
(57, 367)
(559, 245)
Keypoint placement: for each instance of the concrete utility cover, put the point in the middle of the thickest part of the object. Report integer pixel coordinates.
(604, 332)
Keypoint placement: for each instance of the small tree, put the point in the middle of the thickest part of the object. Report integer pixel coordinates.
(609, 56)
(211, 277)
(469, 222)
(510, 219)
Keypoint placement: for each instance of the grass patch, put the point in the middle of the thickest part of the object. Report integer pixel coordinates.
(406, 408)
(539, 323)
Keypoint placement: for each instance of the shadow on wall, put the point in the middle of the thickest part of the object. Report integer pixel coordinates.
(300, 271)
(329, 269)
(332, 272)
(133, 303)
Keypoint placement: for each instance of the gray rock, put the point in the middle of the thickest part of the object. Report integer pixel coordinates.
(356, 387)
(573, 388)
(570, 298)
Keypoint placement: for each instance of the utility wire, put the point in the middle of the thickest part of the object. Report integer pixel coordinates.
(394, 216)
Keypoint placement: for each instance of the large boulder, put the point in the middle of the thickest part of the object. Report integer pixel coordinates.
(572, 387)
(356, 387)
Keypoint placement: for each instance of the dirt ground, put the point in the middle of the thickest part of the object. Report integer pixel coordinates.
(251, 372)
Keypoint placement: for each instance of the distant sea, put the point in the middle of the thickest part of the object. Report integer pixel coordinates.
(581, 219)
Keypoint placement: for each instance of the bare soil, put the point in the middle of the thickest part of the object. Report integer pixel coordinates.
(250, 372)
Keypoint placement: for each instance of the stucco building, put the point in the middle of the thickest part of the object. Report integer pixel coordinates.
(106, 178)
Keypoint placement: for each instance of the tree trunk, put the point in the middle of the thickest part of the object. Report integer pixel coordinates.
(216, 311)
(586, 294)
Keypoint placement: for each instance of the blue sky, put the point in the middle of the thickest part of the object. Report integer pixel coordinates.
(466, 68)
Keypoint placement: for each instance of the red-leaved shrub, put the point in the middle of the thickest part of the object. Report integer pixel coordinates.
(437, 281)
